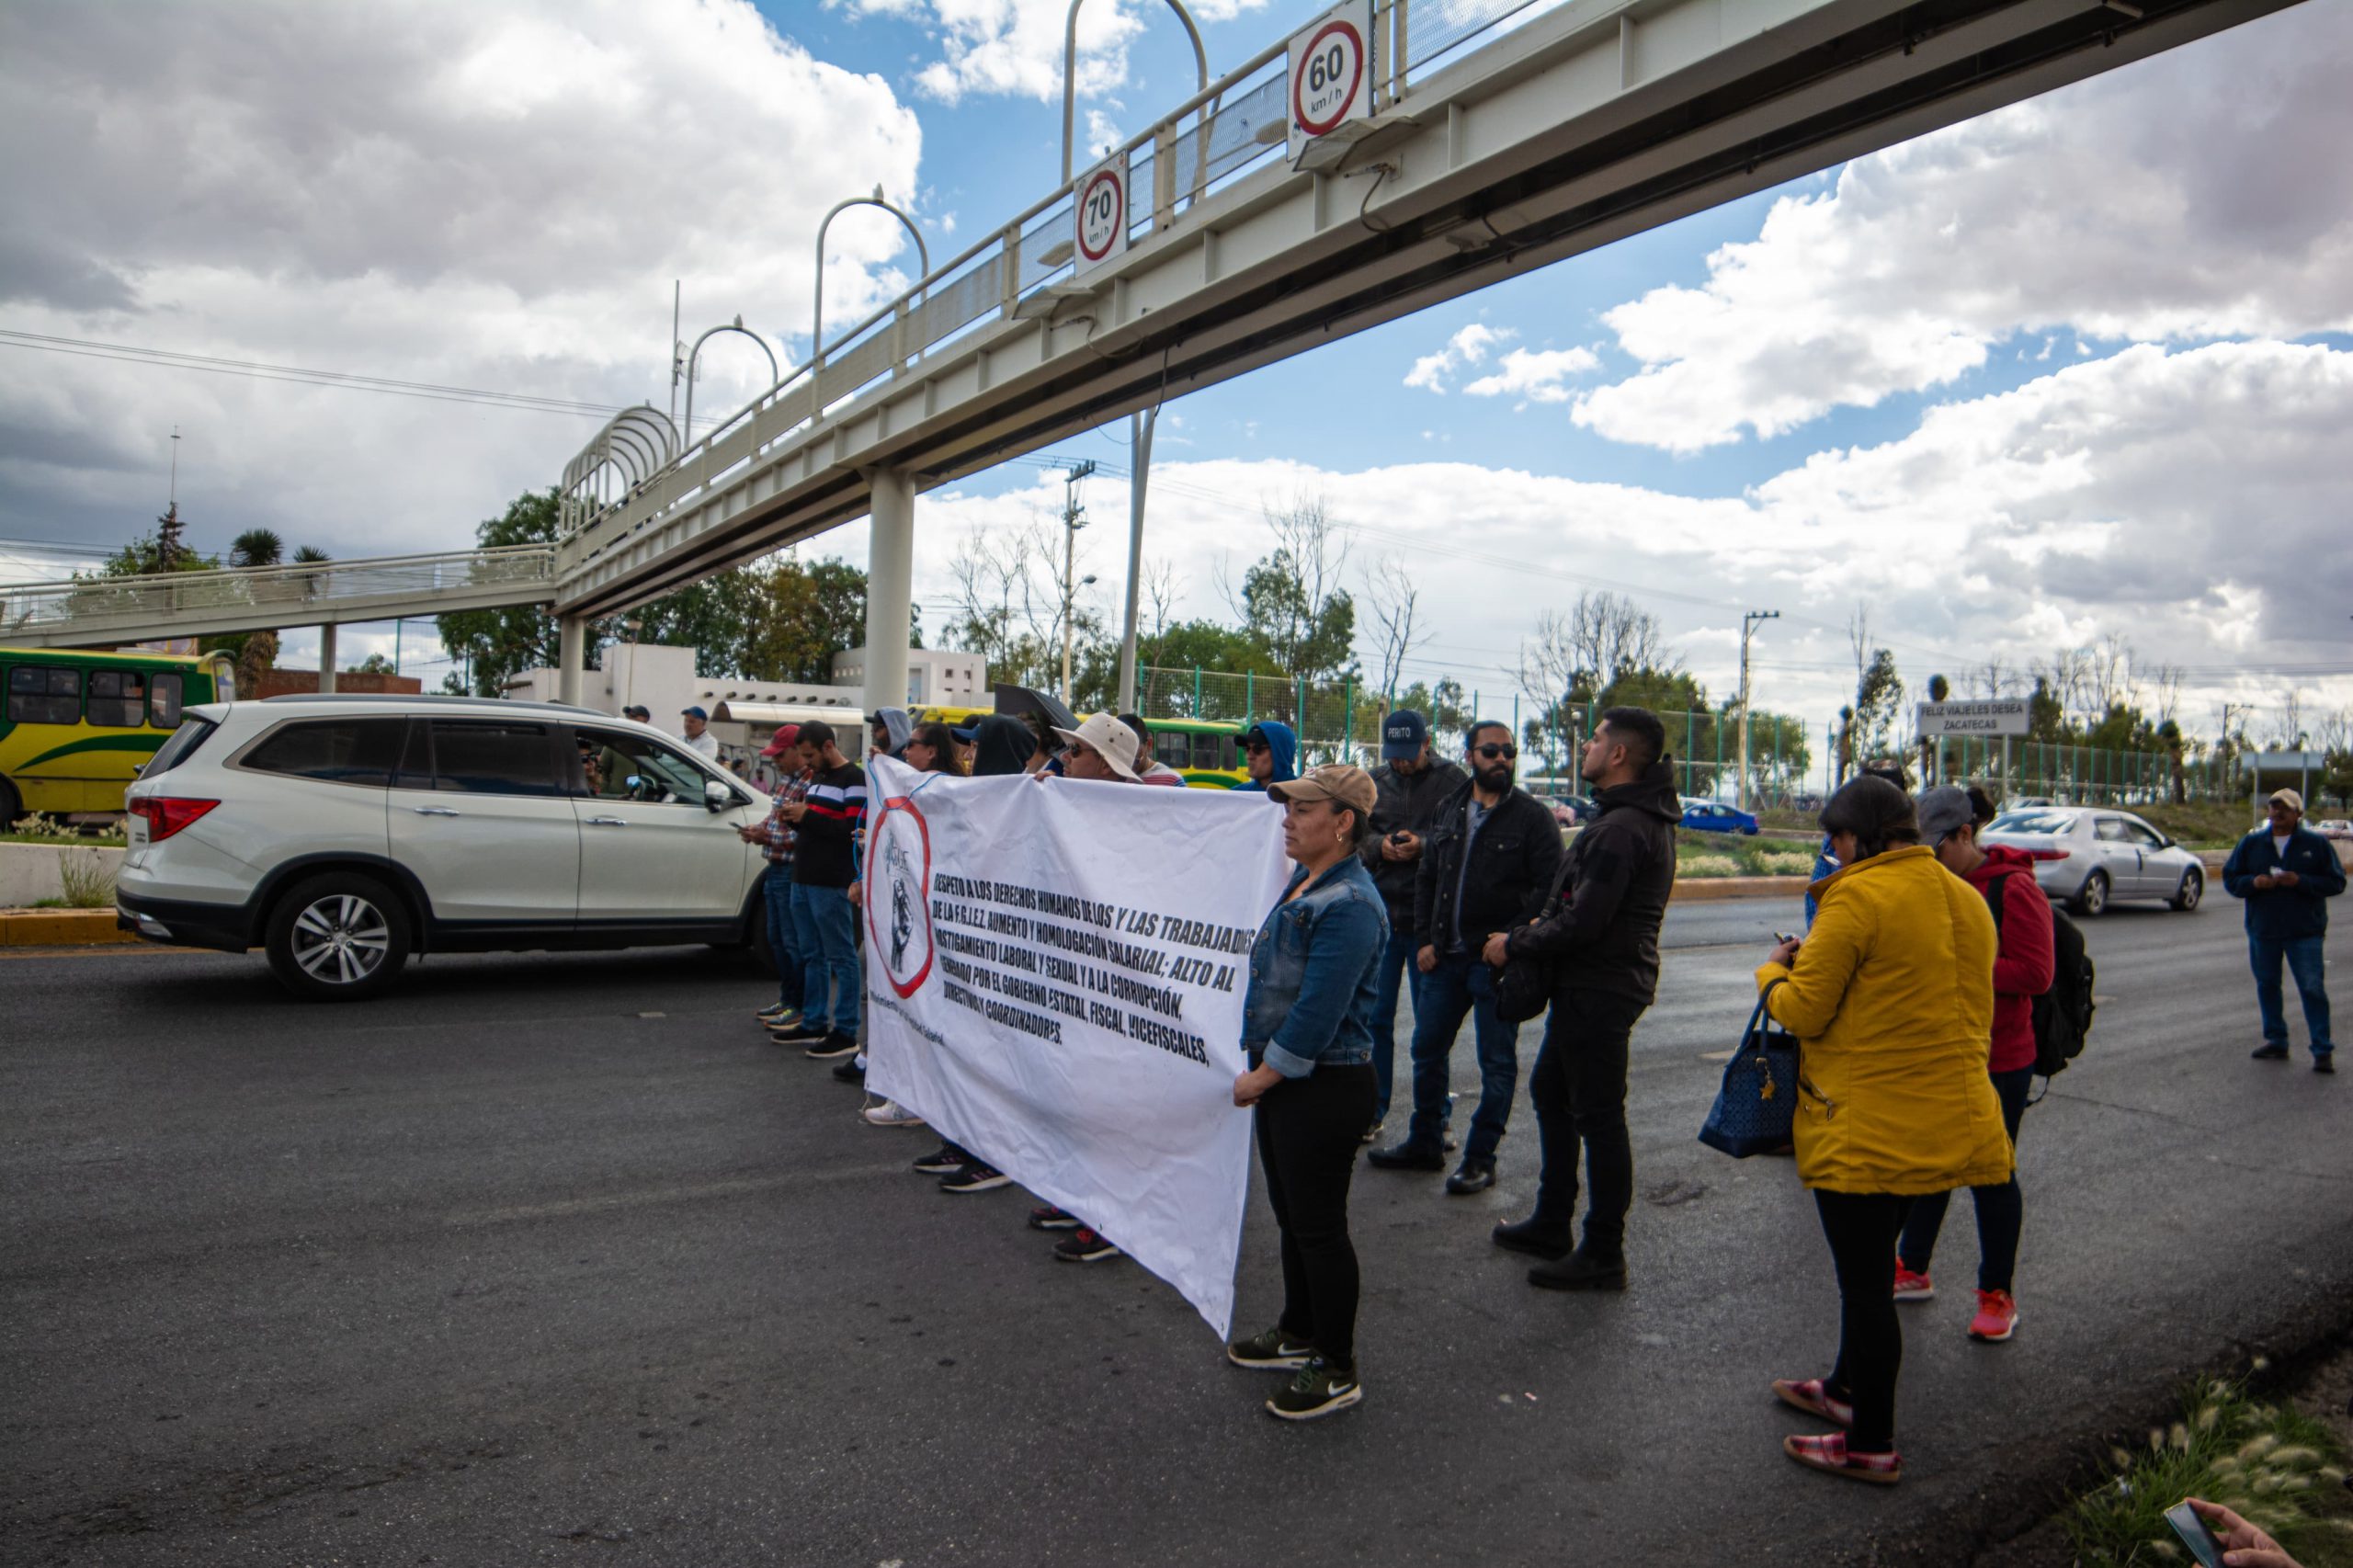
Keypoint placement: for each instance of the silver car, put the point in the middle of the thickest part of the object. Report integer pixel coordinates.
(2086, 856)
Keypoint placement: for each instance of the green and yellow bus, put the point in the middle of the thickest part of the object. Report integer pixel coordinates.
(76, 727)
(1208, 753)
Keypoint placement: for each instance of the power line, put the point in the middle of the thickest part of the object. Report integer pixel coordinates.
(252, 370)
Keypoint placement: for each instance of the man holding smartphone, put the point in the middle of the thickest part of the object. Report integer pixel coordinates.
(1406, 797)
(2285, 873)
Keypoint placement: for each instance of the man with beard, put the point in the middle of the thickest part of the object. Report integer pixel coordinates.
(1486, 867)
(1601, 937)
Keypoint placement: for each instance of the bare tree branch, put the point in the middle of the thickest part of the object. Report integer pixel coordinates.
(1396, 600)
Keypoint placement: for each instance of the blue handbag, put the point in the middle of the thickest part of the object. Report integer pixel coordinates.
(1756, 1110)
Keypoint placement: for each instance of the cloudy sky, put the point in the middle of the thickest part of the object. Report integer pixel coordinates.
(2081, 366)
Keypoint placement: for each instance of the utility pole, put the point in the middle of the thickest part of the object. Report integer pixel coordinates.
(1139, 428)
(1748, 621)
(1074, 519)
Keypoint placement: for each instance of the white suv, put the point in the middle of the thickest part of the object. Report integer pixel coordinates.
(343, 833)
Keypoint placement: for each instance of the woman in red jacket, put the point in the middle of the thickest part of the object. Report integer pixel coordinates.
(2022, 972)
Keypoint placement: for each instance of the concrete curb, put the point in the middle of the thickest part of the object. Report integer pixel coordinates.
(1704, 890)
(59, 928)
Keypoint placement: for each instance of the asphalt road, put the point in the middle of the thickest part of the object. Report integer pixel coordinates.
(554, 1259)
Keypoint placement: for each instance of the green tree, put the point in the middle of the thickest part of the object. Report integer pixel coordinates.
(497, 644)
(373, 664)
(1879, 706)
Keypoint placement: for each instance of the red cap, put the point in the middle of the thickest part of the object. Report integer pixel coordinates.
(786, 737)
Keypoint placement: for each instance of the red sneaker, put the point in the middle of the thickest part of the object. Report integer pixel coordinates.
(1828, 1452)
(1911, 1287)
(1812, 1398)
(1996, 1319)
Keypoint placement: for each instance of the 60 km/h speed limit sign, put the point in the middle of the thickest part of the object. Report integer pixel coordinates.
(1101, 213)
(1332, 72)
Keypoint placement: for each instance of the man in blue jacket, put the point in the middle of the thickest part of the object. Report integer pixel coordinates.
(1271, 754)
(2284, 870)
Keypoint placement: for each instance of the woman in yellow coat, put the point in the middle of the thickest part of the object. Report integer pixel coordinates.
(1891, 996)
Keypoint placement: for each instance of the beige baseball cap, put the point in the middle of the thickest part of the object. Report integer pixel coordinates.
(1106, 736)
(2289, 798)
(1350, 787)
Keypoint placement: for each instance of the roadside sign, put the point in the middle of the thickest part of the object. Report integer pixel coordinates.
(2288, 761)
(1101, 213)
(1994, 716)
(1332, 72)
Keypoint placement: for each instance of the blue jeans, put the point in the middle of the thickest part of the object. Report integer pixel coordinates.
(2305, 965)
(783, 940)
(1458, 985)
(827, 940)
(1396, 973)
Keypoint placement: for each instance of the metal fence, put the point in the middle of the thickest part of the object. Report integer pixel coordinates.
(2019, 769)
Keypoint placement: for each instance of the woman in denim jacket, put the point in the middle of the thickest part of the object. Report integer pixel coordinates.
(1307, 1031)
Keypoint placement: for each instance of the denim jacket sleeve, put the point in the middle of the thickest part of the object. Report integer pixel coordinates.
(1340, 949)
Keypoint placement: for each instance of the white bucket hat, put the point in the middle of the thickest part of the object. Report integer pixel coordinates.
(1113, 740)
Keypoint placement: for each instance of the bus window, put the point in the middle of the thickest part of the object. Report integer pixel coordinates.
(43, 694)
(1209, 752)
(118, 699)
(1174, 750)
(164, 702)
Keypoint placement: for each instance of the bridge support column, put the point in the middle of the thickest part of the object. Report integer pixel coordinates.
(571, 648)
(890, 586)
(327, 659)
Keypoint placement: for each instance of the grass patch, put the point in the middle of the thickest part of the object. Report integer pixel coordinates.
(88, 880)
(35, 828)
(2283, 1471)
(1709, 866)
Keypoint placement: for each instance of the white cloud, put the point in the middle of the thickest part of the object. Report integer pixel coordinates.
(1470, 346)
(1015, 47)
(476, 196)
(2166, 201)
(1536, 376)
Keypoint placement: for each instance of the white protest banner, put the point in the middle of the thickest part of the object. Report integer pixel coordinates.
(1055, 971)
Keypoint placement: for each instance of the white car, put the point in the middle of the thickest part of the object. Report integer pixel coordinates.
(2086, 857)
(344, 833)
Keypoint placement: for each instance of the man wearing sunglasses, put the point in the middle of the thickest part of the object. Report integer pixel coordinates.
(1486, 867)
(1271, 754)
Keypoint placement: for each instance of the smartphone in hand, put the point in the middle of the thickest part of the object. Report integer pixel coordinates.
(2195, 1535)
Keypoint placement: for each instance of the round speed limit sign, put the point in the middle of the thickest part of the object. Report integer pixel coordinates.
(1102, 215)
(1325, 81)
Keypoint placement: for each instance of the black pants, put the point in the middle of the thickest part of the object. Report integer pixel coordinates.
(1309, 1130)
(1862, 1229)
(1579, 1091)
(2001, 1211)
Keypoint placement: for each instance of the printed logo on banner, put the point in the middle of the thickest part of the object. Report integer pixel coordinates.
(1102, 212)
(898, 895)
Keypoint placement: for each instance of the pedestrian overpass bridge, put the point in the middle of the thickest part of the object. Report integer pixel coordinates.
(1507, 135)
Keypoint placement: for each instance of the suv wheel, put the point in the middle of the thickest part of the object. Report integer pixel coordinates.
(338, 937)
(2193, 887)
(2094, 898)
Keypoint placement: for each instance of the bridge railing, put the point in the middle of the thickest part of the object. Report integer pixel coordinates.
(1213, 139)
(295, 595)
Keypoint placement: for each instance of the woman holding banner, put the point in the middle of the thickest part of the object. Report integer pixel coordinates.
(1307, 1033)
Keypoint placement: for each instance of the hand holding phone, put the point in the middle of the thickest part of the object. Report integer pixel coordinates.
(2195, 1535)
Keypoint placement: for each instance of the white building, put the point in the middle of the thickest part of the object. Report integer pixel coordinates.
(935, 677)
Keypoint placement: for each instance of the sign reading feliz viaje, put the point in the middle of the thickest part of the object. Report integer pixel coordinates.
(1994, 716)
(1055, 969)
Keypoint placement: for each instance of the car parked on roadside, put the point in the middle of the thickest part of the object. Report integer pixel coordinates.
(345, 833)
(1714, 816)
(1572, 811)
(2086, 857)
(2334, 827)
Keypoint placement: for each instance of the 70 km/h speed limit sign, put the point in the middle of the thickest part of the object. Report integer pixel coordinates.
(1101, 213)
(1331, 75)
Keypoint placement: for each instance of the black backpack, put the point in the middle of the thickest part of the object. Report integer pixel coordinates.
(2063, 1015)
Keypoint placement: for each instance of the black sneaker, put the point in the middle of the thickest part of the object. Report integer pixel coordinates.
(1049, 1217)
(1471, 1175)
(1273, 1351)
(1581, 1270)
(797, 1031)
(832, 1045)
(2269, 1053)
(1084, 1245)
(1537, 1237)
(2325, 1063)
(943, 1161)
(1317, 1391)
(850, 1071)
(776, 1014)
(1409, 1156)
(974, 1177)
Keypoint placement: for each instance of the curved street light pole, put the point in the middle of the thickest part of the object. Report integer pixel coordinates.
(775, 375)
(1070, 67)
(817, 312)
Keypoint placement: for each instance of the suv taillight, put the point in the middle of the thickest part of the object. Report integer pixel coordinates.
(166, 815)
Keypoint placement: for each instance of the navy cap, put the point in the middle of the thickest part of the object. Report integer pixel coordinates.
(1402, 735)
(695, 712)
(967, 736)
(637, 711)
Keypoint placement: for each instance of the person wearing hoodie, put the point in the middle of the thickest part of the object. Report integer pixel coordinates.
(1600, 934)
(1002, 747)
(2023, 968)
(1271, 753)
(888, 732)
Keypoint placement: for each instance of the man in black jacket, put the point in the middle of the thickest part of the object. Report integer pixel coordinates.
(1407, 794)
(1601, 939)
(1487, 865)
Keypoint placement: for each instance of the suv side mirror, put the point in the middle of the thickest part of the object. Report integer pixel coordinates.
(716, 796)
